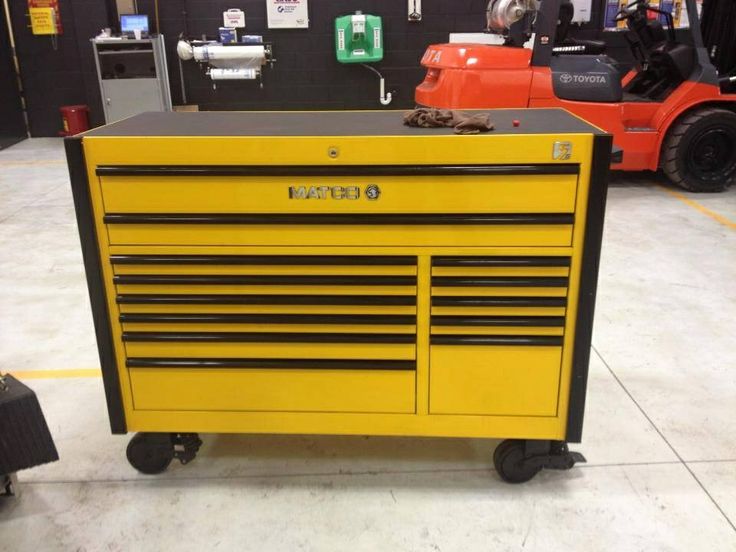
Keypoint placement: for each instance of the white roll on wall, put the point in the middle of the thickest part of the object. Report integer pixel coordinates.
(233, 74)
(244, 57)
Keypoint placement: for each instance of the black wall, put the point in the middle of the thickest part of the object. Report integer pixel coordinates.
(306, 75)
(61, 74)
(12, 124)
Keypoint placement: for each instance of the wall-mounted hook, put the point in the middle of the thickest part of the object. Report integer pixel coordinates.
(415, 11)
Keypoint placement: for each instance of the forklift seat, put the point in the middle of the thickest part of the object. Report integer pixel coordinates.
(677, 59)
(664, 62)
(565, 45)
(669, 64)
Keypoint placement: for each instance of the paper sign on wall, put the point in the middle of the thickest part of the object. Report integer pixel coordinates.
(287, 14)
(42, 21)
(582, 11)
(44, 15)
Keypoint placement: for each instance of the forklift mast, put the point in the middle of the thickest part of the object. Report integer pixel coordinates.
(718, 19)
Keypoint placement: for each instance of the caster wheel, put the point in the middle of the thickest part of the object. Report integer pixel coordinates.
(150, 453)
(8, 486)
(511, 463)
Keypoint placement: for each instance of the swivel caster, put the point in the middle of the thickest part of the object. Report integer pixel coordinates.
(518, 461)
(151, 453)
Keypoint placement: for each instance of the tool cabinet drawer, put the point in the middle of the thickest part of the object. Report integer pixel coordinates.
(329, 388)
(270, 345)
(404, 230)
(473, 189)
(494, 375)
(309, 205)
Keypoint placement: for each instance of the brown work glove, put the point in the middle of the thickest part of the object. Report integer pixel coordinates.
(429, 118)
(473, 124)
(425, 117)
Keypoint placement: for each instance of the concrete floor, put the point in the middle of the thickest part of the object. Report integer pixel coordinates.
(659, 436)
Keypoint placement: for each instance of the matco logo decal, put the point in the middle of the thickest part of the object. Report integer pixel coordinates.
(567, 78)
(372, 192)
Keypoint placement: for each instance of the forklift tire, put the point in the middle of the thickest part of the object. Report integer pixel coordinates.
(699, 152)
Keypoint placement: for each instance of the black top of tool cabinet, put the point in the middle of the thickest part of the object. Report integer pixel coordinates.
(330, 123)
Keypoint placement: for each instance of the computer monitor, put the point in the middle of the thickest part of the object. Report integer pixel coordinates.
(134, 22)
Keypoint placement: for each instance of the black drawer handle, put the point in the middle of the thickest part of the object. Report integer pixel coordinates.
(356, 219)
(501, 261)
(498, 281)
(334, 319)
(314, 300)
(272, 363)
(266, 280)
(536, 340)
(513, 321)
(510, 301)
(265, 337)
(339, 170)
(268, 260)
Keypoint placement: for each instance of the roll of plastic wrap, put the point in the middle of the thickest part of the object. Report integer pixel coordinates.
(233, 74)
(184, 50)
(242, 57)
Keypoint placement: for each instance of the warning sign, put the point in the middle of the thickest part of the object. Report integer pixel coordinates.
(42, 21)
(44, 15)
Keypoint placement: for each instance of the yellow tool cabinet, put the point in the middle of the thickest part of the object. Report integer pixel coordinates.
(342, 273)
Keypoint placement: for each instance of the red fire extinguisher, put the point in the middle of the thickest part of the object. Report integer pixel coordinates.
(75, 119)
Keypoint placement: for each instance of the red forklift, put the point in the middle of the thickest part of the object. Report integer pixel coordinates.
(671, 110)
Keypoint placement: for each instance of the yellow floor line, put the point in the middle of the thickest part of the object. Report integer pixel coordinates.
(55, 374)
(701, 208)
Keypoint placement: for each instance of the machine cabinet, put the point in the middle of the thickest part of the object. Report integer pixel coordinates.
(123, 98)
(342, 273)
(132, 75)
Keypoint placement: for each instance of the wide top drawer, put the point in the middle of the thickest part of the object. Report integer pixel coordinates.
(519, 189)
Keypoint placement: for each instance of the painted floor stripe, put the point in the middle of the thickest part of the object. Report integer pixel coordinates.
(701, 208)
(55, 374)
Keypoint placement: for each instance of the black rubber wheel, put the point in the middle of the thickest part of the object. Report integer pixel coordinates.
(508, 459)
(150, 453)
(699, 153)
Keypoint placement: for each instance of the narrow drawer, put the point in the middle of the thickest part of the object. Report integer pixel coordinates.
(399, 230)
(495, 375)
(270, 344)
(244, 304)
(495, 305)
(249, 323)
(282, 389)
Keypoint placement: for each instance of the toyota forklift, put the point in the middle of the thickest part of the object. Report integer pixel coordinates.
(672, 110)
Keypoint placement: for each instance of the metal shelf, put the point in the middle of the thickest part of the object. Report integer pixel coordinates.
(119, 52)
